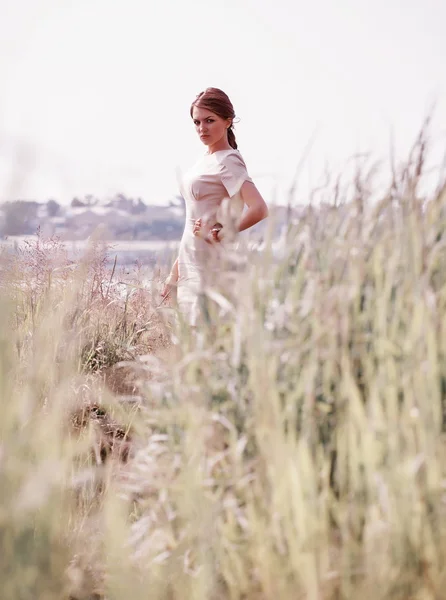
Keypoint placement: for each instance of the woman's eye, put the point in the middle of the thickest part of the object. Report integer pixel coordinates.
(210, 120)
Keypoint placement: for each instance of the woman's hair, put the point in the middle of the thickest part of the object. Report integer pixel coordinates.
(217, 102)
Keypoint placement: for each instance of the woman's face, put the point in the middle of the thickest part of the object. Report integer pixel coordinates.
(210, 127)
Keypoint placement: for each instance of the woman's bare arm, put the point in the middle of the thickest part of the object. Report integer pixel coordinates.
(257, 211)
(257, 208)
(174, 271)
(171, 280)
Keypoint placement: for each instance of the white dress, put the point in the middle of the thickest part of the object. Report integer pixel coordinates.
(211, 190)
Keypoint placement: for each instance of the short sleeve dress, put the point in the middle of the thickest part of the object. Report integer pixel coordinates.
(211, 190)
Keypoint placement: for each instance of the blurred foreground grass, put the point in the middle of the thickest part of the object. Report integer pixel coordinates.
(291, 448)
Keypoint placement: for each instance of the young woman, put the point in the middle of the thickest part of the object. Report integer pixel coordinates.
(215, 191)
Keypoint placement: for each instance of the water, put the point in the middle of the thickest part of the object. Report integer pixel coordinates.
(147, 252)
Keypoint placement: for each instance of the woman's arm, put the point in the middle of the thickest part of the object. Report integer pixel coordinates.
(174, 271)
(257, 211)
(171, 280)
(257, 208)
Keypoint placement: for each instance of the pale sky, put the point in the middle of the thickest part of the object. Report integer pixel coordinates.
(95, 94)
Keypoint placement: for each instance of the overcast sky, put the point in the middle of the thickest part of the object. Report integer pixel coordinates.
(95, 94)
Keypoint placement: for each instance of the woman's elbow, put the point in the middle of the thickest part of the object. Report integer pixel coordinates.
(263, 211)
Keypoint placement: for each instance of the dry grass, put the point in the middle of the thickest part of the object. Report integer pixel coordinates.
(292, 448)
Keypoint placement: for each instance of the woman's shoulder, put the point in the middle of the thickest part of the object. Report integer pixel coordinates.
(227, 152)
(229, 157)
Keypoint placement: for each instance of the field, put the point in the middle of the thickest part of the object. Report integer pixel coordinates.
(291, 448)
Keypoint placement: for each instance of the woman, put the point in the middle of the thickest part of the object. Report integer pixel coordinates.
(215, 191)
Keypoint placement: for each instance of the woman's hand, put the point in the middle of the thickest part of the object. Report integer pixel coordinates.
(212, 236)
(169, 283)
(197, 227)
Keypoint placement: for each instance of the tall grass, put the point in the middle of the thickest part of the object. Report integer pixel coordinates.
(292, 447)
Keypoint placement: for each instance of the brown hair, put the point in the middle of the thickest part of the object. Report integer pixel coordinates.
(217, 102)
